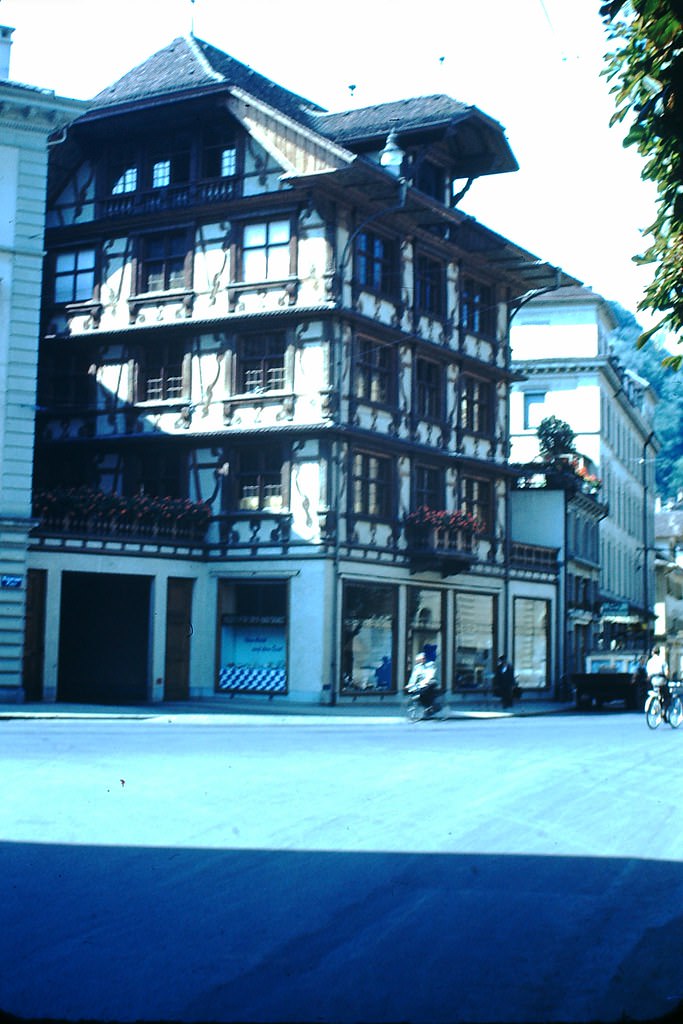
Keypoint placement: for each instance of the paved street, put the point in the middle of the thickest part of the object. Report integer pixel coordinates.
(221, 869)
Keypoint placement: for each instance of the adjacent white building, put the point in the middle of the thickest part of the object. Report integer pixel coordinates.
(28, 116)
(560, 343)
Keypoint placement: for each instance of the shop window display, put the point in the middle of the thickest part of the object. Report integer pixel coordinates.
(368, 641)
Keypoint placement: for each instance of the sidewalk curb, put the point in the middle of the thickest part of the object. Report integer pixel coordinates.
(314, 715)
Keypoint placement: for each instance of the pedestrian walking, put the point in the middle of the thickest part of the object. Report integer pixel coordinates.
(504, 681)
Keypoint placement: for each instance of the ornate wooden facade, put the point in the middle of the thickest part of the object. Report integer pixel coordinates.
(262, 352)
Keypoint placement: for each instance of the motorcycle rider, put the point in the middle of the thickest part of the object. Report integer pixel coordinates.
(422, 681)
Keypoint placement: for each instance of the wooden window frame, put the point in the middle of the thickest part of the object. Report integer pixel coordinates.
(175, 264)
(377, 264)
(264, 371)
(73, 275)
(371, 490)
(271, 249)
(374, 372)
(428, 390)
(428, 486)
(170, 365)
(146, 473)
(478, 307)
(430, 286)
(477, 406)
(476, 498)
(259, 480)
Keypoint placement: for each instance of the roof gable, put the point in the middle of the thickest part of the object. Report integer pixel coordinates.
(469, 140)
(189, 64)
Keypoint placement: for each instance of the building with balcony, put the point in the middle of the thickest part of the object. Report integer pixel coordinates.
(560, 345)
(668, 626)
(272, 439)
(557, 505)
(28, 116)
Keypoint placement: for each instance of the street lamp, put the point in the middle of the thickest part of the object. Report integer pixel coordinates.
(392, 156)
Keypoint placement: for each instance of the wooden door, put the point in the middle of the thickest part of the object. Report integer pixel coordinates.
(178, 639)
(34, 634)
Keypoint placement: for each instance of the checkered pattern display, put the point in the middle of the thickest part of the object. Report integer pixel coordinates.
(253, 679)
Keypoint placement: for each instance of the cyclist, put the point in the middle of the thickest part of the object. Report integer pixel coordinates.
(658, 674)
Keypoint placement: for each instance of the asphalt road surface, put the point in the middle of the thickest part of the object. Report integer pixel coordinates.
(206, 870)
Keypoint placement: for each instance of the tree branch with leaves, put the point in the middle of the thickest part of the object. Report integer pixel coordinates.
(645, 67)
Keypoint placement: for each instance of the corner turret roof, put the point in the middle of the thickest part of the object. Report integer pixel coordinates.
(189, 64)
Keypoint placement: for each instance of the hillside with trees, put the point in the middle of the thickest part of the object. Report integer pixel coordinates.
(668, 386)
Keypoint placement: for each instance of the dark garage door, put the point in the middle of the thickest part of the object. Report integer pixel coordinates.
(104, 638)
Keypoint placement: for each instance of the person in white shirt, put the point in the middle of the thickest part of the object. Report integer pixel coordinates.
(658, 674)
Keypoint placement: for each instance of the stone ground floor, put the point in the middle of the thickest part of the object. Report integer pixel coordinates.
(106, 629)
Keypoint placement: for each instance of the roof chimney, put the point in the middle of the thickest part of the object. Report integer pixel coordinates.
(5, 47)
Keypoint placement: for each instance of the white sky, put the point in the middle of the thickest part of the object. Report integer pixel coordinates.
(533, 65)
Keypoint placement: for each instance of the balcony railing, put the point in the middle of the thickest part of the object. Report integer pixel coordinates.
(171, 197)
(86, 513)
(533, 556)
(446, 549)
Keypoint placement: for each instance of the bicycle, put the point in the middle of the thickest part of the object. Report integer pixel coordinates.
(659, 709)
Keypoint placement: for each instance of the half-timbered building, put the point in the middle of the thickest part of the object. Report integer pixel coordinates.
(273, 394)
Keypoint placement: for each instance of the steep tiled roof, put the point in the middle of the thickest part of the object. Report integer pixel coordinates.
(189, 63)
(368, 122)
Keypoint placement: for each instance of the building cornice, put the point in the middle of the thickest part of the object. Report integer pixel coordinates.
(35, 110)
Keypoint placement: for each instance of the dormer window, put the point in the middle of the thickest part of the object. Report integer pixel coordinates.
(170, 165)
(219, 156)
(126, 182)
(161, 174)
(228, 162)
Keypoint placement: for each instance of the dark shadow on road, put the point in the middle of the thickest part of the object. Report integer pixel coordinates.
(113, 933)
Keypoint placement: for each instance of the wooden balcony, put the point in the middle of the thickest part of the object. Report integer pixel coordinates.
(445, 549)
(534, 557)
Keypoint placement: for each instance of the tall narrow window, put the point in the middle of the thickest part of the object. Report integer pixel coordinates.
(476, 406)
(476, 497)
(477, 308)
(265, 250)
(430, 286)
(371, 490)
(428, 390)
(475, 640)
(534, 406)
(377, 263)
(374, 375)
(369, 630)
(161, 174)
(531, 632)
(428, 487)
